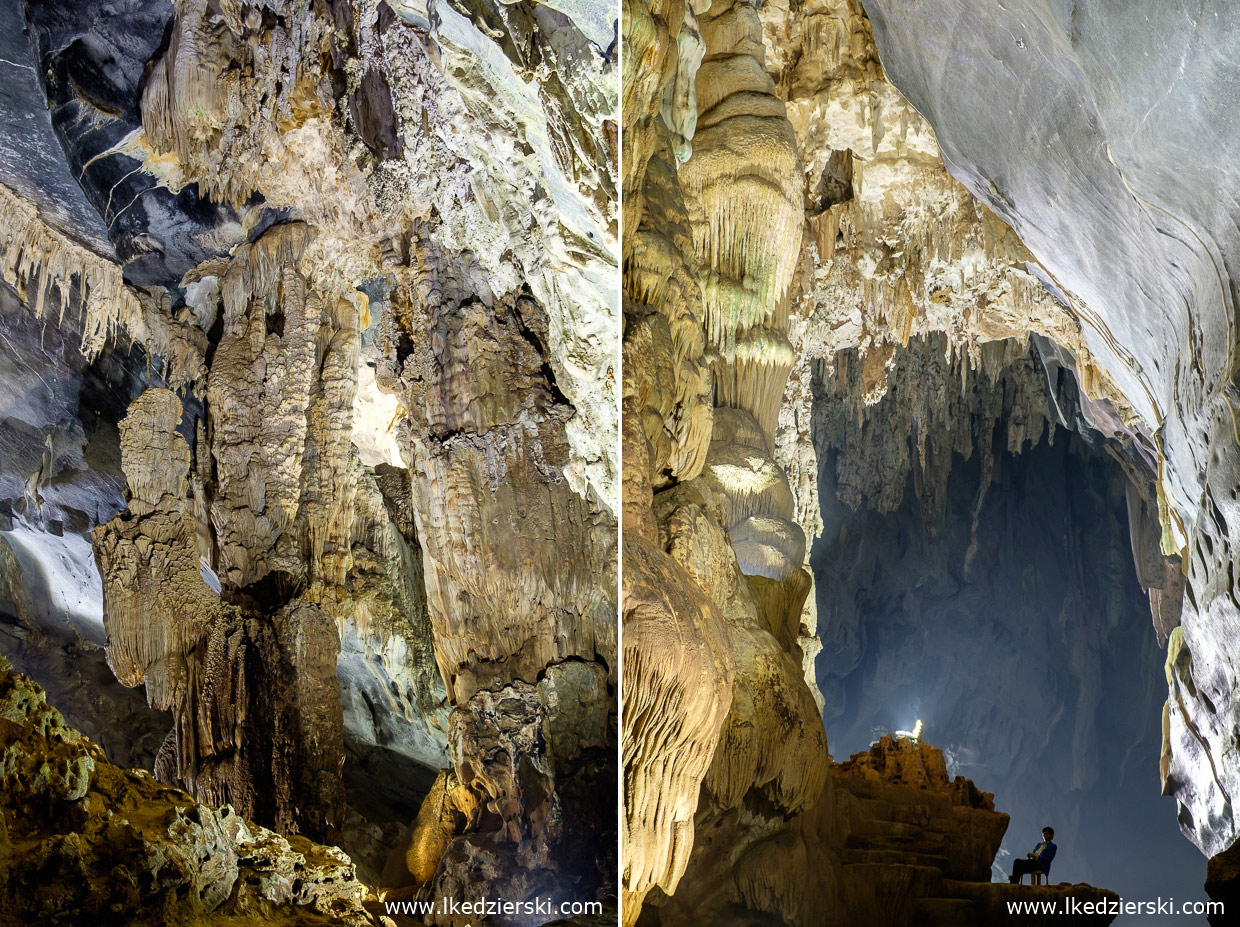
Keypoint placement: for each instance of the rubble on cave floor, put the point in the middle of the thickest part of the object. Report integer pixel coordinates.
(84, 841)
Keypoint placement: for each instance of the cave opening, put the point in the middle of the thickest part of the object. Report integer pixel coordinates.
(985, 566)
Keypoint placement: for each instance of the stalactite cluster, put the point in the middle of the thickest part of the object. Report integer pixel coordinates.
(707, 509)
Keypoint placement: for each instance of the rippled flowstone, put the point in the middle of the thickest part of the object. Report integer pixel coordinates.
(84, 841)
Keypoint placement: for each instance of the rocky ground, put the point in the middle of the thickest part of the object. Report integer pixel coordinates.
(918, 845)
(891, 840)
(84, 841)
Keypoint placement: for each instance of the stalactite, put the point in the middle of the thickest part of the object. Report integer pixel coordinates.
(742, 188)
(53, 273)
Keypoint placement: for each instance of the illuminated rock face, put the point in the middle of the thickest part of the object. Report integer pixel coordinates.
(1109, 173)
(719, 715)
(891, 838)
(891, 251)
(335, 281)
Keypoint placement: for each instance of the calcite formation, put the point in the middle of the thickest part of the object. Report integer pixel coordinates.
(344, 299)
(82, 838)
(713, 562)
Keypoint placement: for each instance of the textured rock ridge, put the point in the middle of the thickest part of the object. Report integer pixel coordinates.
(80, 837)
(510, 550)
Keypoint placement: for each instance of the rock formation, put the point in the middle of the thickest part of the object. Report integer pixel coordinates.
(1122, 211)
(845, 264)
(713, 578)
(329, 450)
(891, 839)
(82, 838)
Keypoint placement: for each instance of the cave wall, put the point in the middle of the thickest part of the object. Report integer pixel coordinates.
(1121, 206)
(987, 585)
(350, 271)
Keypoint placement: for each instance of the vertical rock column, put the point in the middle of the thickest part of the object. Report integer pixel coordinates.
(743, 195)
(678, 666)
(721, 723)
(520, 573)
(223, 578)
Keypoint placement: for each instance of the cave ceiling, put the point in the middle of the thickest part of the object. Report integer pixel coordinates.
(1010, 229)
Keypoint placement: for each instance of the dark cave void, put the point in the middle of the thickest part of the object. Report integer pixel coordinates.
(1012, 623)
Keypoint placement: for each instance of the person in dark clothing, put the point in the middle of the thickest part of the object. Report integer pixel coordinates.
(1039, 860)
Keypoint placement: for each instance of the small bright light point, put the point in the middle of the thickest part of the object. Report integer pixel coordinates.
(914, 734)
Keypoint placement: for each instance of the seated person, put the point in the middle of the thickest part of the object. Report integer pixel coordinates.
(1039, 860)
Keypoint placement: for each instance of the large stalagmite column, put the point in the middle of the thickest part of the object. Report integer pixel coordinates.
(222, 582)
(520, 578)
(726, 716)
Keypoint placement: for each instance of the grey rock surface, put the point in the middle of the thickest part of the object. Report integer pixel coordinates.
(31, 160)
(1104, 133)
(91, 59)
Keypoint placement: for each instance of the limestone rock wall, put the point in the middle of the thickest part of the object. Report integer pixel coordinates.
(1120, 205)
(510, 550)
(365, 506)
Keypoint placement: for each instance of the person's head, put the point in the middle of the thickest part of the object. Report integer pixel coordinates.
(1048, 833)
